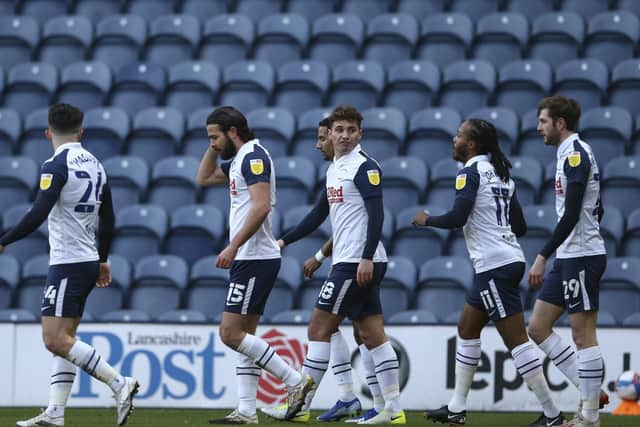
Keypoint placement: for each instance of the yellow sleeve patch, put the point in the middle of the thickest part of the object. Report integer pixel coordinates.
(461, 181)
(45, 181)
(257, 167)
(374, 176)
(574, 159)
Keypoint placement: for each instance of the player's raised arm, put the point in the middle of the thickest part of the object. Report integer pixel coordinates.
(210, 172)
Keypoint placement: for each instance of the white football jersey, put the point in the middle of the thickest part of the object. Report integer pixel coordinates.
(347, 179)
(251, 164)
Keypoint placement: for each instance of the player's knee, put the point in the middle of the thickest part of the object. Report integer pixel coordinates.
(538, 333)
(467, 332)
(230, 336)
(318, 332)
(55, 344)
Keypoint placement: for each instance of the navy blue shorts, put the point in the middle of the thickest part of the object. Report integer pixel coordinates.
(67, 288)
(250, 283)
(497, 291)
(574, 283)
(341, 295)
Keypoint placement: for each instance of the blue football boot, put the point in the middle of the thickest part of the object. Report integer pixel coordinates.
(342, 409)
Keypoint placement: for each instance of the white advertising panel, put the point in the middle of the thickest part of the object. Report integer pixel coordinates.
(7, 336)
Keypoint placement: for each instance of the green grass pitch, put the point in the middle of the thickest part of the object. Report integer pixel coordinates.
(197, 417)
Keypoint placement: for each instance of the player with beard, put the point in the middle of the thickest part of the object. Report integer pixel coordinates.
(252, 255)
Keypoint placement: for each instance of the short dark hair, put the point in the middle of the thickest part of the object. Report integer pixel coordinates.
(347, 113)
(65, 119)
(227, 117)
(562, 107)
(325, 123)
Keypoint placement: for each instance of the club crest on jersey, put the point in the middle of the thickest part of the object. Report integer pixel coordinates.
(461, 181)
(45, 181)
(574, 159)
(257, 167)
(374, 176)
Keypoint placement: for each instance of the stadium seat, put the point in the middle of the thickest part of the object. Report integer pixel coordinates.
(137, 86)
(30, 86)
(15, 315)
(155, 134)
(612, 37)
(531, 144)
(32, 144)
(631, 241)
(301, 85)
(357, 83)
(84, 85)
(548, 192)
(10, 130)
(202, 9)
(94, 10)
(247, 85)
(172, 39)
(624, 87)
(397, 286)
(256, 9)
(556, 37)
(530, 9)
(302, 317)
(522, 84)
(467, 85)
(195, 140)
(584, 80)
(182, 316)
(366, 10)
(128, 177)
(34, 272)
(105, 130)
(9, 276)
(126, 316)
(506, 122)
(412, 86)
(445, 38)
(607, 130)
(632, 320)
(620, 184)
(306, 137)
(612, 229)
(19, 37)
(501, 38)
(420, 8)
(282, 297)
(527, 173)
(34, 244)
(65, 40)
(385, 130)
(336, 38)
(390, 38)
(417, 244)
(173, 182)
(192, 85)
(541, 221)
(307, 247)
(619, 287)
(208, 286)
(281, 38)
(586, 8)
(404, 182)
(474, 8)
(418, 317)
(18, 177)
(149, 9)
(295, 180)
(195, 231)
(431, 133)
(158, 282)
(310, 288)
(140, 230)
(309, 9)
(103, 300)
(217, 195)
(226, 39)
(441, 191)
(41, 10)
(118, 40)
(274, 127)
(630, 5)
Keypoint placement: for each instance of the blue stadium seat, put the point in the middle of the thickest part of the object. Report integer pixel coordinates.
(173, 182)
(445, 38)
(309, 9)
(195, 232)
(140, 230)
(632, 321)
(620, 184)
(182, 316)
(172, 39)
(149, 9)
(227, 39)
(530, 143)
(281, 38)
(30, 86)
(530, 9)
(10, 130)
(417, 244)
(385, 129)
(412, 86)
(282, 297)
(105, 130)
(195, 140)
(18, 177)
(256, 9)
(442, 183)
(41, 10)
(404, 182)
(366, 10)
(217, 195)
(137, 86)
(274, 127)
(34, 271)
(390, 38)
(118, 40)
(624, 87)
(612, 37)
(631, 241)
(302, 85)
(9, 276)
(630, 5)
(156, 133)
(336, 38)
(619, 287)
(522, 84)
(94, 10)
(19, 36)
(556, 37)
(307, 247)
(247, 85)
(158, 282)
(128, 178)
(586, 8)
(467, 85)
(306, 137)
(103, 300)
(584, 80)
(612, 229)
(474, 8)
(302, 317)
(431, 133)
(65, 40)
(398, 285)
(419, 317)
(541, 221)
(421, 8)
(295, 179)
(506, 122)
(357, 83)
(607, 130)
(442, 285)
(208, 286)
(31, 143)
(34, 244)
(309, 290)
(501, 38)
(84, 85)
(126, 316)
(548, 192)
(388, 227)
(15, 315)
(192, 85)
(527, 174)
(201, 9)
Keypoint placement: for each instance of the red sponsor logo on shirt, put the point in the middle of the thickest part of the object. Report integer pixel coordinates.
(232, 187)
(334, 195)
(559, 189)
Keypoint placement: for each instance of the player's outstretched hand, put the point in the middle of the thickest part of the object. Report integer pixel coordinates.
(536, 272)
(226, 257)
(365, 272)
(310, 266)
(104, 275)
(420, 219)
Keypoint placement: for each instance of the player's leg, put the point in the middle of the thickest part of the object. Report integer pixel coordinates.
(248, 373)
